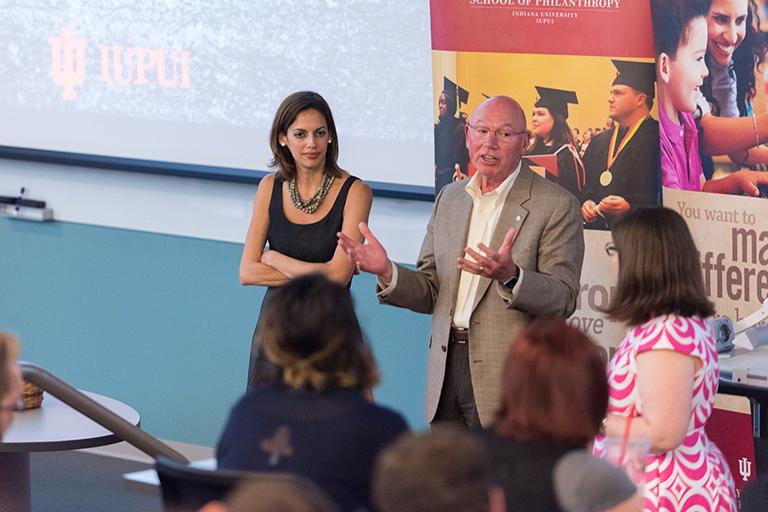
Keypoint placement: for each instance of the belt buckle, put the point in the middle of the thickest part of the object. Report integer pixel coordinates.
(459, 335)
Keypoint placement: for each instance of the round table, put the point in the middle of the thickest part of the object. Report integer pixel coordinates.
(53, 426)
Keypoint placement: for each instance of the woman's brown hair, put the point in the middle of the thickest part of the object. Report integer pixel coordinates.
(286, 114)
(561, 133)
(310, 331)
(554, 386)
(659, 269)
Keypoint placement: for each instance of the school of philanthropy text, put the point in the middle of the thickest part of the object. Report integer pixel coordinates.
(583, 4)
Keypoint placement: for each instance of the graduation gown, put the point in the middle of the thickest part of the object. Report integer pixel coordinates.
(570, 169)
(636, 171)
(450, 150)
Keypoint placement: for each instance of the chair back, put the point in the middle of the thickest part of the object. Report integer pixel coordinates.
(186, 488)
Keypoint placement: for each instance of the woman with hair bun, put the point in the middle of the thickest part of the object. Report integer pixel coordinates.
(313, 419)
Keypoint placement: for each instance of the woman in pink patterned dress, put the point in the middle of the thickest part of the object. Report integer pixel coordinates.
(663, 377)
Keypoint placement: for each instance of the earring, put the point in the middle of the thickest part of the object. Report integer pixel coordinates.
(282, 144)
(329, 141)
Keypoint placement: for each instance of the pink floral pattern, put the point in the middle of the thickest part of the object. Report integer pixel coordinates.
(694, 476)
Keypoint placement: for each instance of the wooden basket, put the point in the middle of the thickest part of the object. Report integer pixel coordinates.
(31, 396)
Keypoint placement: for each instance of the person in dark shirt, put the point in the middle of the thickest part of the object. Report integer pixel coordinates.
(315, 419)
(623, 163)
(554, 396)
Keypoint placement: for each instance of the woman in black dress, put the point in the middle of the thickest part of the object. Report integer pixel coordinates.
(299, 209)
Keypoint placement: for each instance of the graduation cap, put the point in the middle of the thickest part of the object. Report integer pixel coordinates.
(458, 92)
(638, 75)
(556, 100)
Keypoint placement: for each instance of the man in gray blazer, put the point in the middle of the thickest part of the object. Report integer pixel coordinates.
(480, 297)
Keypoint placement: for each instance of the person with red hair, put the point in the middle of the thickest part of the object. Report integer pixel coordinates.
(554, 395)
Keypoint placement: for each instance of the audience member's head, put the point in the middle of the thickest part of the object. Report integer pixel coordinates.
(275, 495)
(444, 470)
(10, 379)
(554, 387)
(310, 331)
(658, 268)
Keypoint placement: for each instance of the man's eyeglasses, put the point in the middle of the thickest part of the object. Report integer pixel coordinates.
(503, 135)
(611, 249)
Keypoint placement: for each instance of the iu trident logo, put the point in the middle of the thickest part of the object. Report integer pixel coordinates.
(745, 468)
(68, 62)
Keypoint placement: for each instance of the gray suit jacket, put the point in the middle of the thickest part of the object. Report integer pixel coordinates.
(549, 247)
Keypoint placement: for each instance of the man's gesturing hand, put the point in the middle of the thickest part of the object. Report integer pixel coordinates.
(370, 257)
(494, 265)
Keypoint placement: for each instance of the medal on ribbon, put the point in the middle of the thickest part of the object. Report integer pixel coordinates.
(606, 177)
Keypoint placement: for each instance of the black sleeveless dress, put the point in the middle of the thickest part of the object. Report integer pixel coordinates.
(313, 243)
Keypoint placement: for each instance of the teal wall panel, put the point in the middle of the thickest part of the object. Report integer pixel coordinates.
(162, 323)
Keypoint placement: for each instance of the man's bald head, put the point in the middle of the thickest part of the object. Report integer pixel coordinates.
(510, 108)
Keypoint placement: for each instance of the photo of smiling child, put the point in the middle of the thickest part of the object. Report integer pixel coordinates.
(680, 39)
(682, 32)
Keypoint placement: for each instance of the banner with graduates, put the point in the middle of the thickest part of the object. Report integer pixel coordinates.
(590, 98)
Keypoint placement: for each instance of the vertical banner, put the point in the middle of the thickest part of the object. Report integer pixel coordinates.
(712, 108)
(590, 95)
(710, 111)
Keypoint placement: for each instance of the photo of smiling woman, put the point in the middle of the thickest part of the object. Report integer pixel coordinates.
(736, 50)
(299, 209)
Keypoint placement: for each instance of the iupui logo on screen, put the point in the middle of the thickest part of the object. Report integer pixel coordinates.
(68, 62)
(121, 65)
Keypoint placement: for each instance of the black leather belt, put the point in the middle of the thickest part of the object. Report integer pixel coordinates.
(459, 335)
